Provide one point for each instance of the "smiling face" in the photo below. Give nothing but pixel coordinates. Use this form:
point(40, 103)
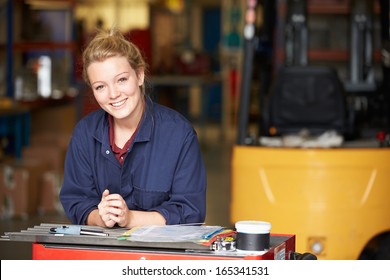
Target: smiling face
point(116, 87)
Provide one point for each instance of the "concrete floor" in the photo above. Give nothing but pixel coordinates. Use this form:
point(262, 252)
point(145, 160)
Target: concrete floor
point(217, 154)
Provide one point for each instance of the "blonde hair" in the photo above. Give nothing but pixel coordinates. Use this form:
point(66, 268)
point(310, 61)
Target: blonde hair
point(109, 43)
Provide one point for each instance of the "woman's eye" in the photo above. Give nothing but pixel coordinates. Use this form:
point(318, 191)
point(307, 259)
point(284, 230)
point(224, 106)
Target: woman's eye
point(99, 87)
point(122, 80)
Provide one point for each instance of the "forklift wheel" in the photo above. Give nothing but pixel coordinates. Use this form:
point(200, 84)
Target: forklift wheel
point(304, 256)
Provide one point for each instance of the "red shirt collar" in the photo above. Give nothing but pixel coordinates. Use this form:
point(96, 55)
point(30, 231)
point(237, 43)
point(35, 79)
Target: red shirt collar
point(120, 153)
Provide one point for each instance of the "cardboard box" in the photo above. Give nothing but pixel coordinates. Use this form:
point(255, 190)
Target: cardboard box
point(60, 139)
point(51, 154)
point(20, 181)
point(49, 193)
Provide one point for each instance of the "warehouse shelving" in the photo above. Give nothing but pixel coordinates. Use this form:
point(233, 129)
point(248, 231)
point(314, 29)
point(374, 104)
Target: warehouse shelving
point(15, 47)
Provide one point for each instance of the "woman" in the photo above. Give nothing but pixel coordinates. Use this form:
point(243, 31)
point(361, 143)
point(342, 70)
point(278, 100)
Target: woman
point(133, 162)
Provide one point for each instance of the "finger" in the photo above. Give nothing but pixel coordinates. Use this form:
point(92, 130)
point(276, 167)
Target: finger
point(105, 194)
point(116, 219)
point(102, 206)
point(115, 204)
point(116, 211)
point(114, 196)
point(110, 223)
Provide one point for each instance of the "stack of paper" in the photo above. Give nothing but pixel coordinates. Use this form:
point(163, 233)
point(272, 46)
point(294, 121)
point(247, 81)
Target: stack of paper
point(172, 233)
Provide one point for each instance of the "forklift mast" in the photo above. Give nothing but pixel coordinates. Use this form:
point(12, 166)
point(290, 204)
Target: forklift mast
point(296, 38)
point(250, 43)
point(361, 67)
point(360, 85)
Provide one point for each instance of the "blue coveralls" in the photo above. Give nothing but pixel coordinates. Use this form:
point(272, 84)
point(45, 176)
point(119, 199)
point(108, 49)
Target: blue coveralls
point(163, 170)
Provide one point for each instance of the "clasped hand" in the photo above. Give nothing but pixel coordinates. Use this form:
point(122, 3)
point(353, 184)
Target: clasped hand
point(113, 210)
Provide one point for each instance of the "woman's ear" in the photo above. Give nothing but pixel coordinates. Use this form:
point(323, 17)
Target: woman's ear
point(141, 76)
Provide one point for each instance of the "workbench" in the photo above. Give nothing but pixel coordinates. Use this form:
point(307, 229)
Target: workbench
point(47, 246)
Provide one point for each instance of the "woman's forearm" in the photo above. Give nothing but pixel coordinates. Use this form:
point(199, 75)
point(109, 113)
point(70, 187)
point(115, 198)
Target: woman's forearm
point(94, 219)
point(134, 218)
point(142, 218)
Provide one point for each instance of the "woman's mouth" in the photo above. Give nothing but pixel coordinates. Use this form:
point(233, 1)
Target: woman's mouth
point(118, 104)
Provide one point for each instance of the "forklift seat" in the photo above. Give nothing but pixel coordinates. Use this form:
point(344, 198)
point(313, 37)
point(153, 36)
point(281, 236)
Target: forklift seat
point(305, 97)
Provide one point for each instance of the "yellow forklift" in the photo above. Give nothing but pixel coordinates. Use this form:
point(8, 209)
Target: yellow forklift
point(318, 163)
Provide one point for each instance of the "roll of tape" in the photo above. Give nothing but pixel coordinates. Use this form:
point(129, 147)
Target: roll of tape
point(253, 235)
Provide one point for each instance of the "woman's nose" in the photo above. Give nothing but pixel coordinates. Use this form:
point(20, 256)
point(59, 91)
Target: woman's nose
point(114, 92)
